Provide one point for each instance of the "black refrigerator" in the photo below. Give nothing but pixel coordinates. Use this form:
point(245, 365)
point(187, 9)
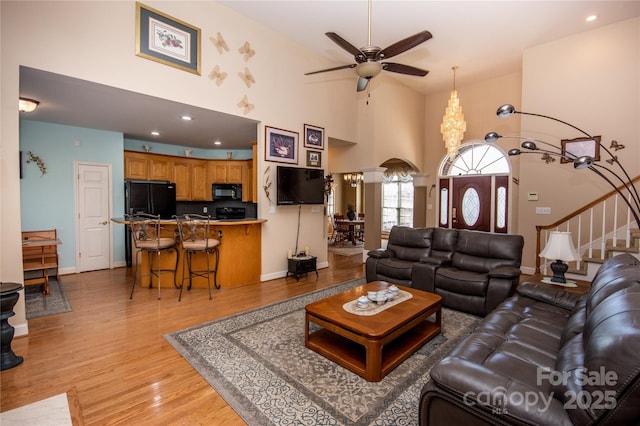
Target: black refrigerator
point(158, 198)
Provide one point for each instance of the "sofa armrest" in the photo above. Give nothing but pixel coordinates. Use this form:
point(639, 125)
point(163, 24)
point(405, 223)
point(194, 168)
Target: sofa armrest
point(435, 261)
point(380, 253)
point(485, 390)
point(554, 296)
point(423, 275)
point(508, 272)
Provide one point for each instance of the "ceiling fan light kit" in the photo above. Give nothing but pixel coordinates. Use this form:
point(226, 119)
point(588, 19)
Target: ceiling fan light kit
point(368, 69)
point(368, 59)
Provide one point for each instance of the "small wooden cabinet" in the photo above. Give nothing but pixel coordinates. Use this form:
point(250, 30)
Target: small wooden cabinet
point(301, 265)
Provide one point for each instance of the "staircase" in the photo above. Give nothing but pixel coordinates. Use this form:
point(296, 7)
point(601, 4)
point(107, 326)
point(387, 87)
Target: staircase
point(600, 230)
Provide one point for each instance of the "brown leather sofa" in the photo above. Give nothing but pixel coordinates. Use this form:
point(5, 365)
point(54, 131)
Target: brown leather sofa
point(472, 271)
point(547, 357)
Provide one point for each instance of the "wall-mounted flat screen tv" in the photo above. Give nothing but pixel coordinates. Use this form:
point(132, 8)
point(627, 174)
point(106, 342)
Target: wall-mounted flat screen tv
point(298, 185)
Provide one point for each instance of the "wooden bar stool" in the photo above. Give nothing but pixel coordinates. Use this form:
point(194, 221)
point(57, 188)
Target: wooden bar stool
point(195, 236)
point(147, 238)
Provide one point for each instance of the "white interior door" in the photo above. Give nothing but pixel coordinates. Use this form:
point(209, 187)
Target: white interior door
point(94, 210)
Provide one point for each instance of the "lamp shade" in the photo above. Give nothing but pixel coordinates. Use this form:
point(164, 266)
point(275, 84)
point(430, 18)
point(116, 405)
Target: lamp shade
point(560, 247)
point(368, 69)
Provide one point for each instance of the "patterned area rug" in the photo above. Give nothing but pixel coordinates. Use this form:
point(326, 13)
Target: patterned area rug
point(258, 363)
point(38, 305)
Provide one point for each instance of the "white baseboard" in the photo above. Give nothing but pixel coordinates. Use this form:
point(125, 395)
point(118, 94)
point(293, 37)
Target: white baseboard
point(282, 274)
point(527, 270)
point(21, 329)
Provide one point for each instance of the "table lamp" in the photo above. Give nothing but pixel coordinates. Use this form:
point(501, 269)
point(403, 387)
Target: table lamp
point(560, 247)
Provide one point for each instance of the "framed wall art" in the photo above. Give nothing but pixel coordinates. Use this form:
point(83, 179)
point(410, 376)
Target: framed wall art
point(314, 159)
point(313, 136)
point(281, 145)
point(578, 147)
point(167, 40)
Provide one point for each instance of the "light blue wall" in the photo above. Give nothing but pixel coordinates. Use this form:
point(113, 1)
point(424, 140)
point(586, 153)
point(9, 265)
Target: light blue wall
point(47, 201)
point(208, 154)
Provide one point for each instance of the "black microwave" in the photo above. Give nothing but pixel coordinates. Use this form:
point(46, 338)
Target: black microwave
point(226, 191)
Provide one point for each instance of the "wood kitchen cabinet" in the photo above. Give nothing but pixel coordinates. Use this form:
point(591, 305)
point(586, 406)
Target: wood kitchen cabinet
point(190, 177)
point(253, 172)
point(193, 177)
point(160, 168)
point(226, 171)
point(139, 166)
point(136, 166)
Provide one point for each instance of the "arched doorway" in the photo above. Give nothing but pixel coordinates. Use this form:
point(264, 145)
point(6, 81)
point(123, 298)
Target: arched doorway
point(473, 189)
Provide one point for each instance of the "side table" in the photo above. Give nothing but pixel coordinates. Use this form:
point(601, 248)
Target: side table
point(575, 286)
point(8, 297)
point(301, 265)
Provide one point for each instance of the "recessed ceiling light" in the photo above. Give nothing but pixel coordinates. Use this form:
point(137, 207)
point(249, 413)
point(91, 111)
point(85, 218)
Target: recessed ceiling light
point(591, 18)
point(186, 118)
point(217, 143)
point(155, 133)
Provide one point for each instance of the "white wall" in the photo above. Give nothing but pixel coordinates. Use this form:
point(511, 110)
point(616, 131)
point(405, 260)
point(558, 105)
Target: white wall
point(390, 125)
point(590, 80)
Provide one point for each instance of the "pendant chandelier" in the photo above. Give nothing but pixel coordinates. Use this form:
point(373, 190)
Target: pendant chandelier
point(453, 125)
point(353, 179)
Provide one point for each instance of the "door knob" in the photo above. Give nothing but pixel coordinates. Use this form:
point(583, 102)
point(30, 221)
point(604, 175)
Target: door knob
point(104, 222)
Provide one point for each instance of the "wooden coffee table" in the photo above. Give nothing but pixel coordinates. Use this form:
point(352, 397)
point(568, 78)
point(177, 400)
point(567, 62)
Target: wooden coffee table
point(372, 346)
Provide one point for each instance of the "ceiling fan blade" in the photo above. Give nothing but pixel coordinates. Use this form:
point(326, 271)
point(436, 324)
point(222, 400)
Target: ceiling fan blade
point(404, 45)
point(404, 69)
point(362, 83)
point(345, 45)
point(332, 69)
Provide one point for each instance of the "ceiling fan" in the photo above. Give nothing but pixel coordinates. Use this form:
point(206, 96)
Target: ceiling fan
point(369, 58)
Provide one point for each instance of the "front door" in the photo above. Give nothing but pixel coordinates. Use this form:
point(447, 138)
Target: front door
point(471, 203)
point(93, 216)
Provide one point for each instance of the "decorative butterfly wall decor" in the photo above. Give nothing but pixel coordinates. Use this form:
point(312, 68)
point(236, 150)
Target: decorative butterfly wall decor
point(616, 146)
point(247, 51)
point(217, 75)
point(245, 105)
point(219, 43)
point(246, 77)
point(547, 158)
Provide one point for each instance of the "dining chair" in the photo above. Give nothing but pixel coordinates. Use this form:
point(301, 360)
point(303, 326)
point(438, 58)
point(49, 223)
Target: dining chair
point(195, 236)
point(147, 238)
point(360, 233)
point(341, 229)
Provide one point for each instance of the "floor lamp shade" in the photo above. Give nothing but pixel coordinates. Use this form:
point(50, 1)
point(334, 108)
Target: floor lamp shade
point(560, 248)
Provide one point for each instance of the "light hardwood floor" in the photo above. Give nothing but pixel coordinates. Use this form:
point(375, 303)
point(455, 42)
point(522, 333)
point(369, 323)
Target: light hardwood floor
point(112, 350)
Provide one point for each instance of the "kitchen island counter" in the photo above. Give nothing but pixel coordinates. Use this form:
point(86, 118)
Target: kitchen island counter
point(240, 253)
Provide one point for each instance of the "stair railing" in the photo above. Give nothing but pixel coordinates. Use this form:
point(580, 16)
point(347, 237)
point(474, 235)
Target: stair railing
point(606, 217)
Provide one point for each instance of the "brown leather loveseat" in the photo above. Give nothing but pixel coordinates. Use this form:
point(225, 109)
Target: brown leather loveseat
point(472, 271)
point(547, 357)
